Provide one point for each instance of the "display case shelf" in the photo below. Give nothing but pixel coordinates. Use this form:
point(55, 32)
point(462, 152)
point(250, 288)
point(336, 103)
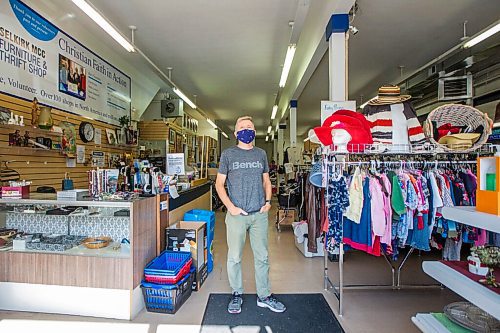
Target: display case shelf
point(105, 252)
point(470, 216)
point(55, 202)
point(110, 275)
point(472, 291)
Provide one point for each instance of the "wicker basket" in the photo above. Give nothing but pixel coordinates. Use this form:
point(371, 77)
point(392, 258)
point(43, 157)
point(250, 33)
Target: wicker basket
point(458, 115)
point(97, 243)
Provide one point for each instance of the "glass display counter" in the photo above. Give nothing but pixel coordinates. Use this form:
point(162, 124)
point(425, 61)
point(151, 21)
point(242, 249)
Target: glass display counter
point(74, 253)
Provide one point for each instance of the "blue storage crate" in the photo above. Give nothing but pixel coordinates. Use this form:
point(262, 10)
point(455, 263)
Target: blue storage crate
point(207, 216)
point(167, 263)
point(167, 298)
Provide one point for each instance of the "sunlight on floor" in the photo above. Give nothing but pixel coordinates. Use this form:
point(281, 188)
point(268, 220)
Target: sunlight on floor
point(228, 329)
point(49, 326)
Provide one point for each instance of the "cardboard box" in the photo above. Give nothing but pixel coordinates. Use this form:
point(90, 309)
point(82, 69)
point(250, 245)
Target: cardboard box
point(201, 276)
point(286, 216)
point(181, 234)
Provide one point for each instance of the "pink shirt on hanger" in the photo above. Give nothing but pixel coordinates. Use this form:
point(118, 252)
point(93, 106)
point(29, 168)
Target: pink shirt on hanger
point(386, 238)
point(377, 207)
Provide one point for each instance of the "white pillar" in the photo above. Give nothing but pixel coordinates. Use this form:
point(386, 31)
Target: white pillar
point(337, 51)
point(281, 141)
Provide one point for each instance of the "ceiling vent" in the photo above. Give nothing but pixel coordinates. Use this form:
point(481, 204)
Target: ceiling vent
point(455, 88)
point(172, 108)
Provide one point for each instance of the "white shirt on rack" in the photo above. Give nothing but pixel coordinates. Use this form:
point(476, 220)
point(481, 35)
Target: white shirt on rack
point(399, 127)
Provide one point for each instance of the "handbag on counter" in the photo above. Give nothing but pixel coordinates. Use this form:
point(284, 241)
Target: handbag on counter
point(67, 183)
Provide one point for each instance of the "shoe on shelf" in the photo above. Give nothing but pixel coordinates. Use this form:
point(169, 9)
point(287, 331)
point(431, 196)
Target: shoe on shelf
point(235, 303)
point(271, 303)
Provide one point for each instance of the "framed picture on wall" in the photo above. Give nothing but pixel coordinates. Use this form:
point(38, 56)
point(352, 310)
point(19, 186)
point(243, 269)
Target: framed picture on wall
point(178, 143)
point(171, 137)
point(111, 135)
point(120, 136)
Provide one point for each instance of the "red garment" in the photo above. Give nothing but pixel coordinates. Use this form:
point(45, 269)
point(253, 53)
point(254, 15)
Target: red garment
point(354, 123)
point(373, 250)
point(447, 129)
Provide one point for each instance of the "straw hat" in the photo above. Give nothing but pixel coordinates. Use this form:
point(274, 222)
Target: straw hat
point(460, 140)
point(389, 94)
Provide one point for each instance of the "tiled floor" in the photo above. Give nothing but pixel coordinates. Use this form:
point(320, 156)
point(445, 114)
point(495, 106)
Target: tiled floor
point(364, 310)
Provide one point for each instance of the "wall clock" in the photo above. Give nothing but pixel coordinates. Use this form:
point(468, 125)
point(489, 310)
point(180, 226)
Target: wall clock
point(86, 131)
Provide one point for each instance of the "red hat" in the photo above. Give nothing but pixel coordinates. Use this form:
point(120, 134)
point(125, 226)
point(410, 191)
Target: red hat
point(354, 123)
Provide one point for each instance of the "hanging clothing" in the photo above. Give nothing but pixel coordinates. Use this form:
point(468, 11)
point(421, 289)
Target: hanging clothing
point(397, 200)
point(312, 209)
point(387, 238)
point(338, 201)
point(377, 207)
point(353, 213)
point(359, 236)
point(420, 237)
point(452, 249)
point(445, 191)
point(383, 123)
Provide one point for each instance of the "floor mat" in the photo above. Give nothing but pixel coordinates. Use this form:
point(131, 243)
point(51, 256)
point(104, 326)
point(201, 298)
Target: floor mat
point(305, 313)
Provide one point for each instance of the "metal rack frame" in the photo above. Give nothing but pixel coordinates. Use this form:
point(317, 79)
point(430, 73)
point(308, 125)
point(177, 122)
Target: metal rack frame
point(396, 284)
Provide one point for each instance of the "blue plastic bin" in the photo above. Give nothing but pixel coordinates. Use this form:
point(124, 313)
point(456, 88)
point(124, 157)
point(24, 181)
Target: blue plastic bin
point(167, 263)
point(167, 298)
point(207, 216)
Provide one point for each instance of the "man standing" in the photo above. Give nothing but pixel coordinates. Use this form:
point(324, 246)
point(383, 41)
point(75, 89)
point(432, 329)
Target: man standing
point(248, 201)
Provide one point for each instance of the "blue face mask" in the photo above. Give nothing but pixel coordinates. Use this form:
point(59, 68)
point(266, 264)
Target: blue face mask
point(246, 135)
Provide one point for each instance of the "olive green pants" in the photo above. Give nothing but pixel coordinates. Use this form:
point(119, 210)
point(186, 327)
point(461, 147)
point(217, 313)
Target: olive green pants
point(237, 226)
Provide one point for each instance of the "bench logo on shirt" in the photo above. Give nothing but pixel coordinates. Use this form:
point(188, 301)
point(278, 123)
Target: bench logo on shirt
point(247, 165)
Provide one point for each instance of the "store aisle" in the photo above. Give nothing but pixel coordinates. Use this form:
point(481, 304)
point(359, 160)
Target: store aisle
point(365, 311)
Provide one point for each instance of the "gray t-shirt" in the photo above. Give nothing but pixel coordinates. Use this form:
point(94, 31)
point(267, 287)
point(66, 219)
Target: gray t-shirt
point(244, 170)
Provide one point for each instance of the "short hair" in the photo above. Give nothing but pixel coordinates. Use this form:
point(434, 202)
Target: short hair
point(241, 119)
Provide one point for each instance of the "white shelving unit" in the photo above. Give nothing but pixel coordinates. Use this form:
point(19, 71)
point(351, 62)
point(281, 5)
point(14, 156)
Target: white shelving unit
point(470, 216)
point(428, 324)
point(472, 291)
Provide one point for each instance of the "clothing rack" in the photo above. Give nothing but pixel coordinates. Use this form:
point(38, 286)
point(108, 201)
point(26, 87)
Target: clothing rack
point(406, 149)
point(338, 291)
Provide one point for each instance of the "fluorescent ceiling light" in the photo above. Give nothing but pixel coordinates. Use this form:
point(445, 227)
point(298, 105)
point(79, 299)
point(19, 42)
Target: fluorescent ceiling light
point(184, 97)
point(267, 138)
point(103, 23)
point(306, 139)
point(225, 135)
point(269, 129)
point(272, 136)
point(211, 123)
point(277, 127)
point(275, 109)
point(482, 36)
point(290, 52)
